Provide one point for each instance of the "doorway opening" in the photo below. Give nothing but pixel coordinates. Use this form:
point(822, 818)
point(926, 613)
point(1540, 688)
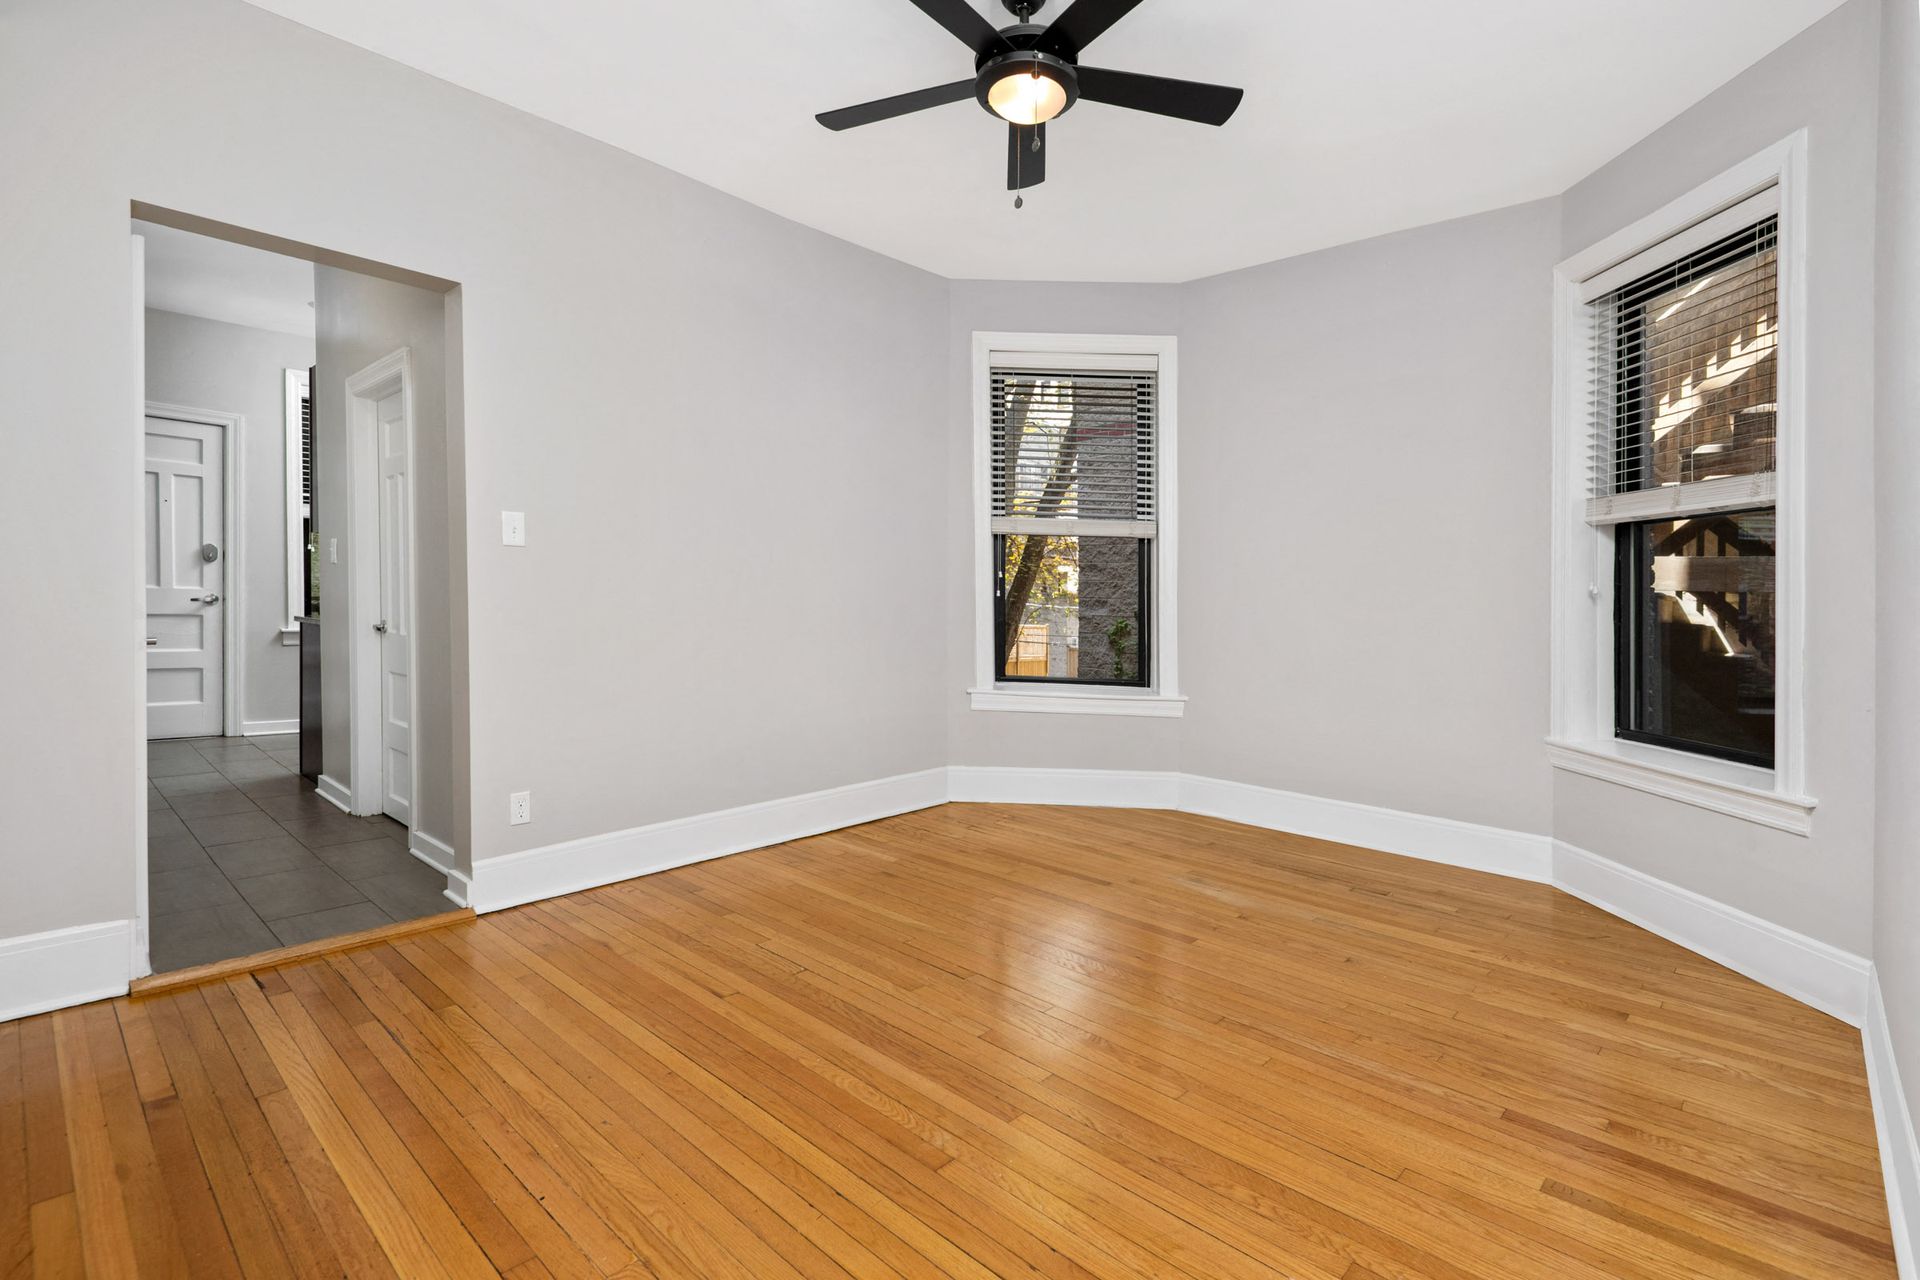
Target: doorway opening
point(301, 776)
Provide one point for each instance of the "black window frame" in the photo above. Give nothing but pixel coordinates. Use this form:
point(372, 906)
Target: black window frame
point(1144, 621)
point(1633, 597)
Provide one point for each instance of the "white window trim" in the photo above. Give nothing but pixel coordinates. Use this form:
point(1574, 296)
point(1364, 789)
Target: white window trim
point(1582, 738)
point(296, 384)
point(1163, 697)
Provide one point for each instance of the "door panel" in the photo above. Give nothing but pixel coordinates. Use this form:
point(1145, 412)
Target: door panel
point(186, 605)
point(396, 595)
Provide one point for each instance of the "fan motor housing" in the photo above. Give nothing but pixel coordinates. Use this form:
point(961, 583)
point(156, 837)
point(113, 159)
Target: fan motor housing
point(1025, 61)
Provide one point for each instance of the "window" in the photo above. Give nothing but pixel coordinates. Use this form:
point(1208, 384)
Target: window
point(1678, 558)
point(1686, 398)
point(1074, 589)
point(301, 579)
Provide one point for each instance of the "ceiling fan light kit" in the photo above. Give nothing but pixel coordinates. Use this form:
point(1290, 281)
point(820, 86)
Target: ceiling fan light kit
point(1027, 74)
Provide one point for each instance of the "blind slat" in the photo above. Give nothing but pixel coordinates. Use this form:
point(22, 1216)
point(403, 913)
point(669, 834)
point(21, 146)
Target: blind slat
point(1073, 445)
point(1684, 372)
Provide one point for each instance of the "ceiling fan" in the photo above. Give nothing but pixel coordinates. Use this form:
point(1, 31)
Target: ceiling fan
point(1027, 74)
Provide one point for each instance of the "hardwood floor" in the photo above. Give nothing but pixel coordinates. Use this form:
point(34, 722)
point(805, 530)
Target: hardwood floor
point(974, 1041)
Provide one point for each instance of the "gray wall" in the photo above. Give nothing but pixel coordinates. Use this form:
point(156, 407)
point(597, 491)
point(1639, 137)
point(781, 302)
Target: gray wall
point(1315, 562)
point(1820, 885)
point(1364, 459)
point(229, 368)
point(657, 374)
point(360, 319)
point(1018, 738)
point(1896, 928)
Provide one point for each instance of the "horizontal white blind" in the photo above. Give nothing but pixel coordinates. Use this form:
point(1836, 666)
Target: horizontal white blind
point(1684, 375)
point(1073, 449)
point(306, 448)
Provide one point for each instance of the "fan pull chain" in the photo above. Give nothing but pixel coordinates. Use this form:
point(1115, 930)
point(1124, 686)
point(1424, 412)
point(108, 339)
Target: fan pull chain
point(1019, 201)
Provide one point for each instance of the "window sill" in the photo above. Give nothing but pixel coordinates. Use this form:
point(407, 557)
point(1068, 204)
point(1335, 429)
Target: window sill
point(1737, 790)
point(1083, 702)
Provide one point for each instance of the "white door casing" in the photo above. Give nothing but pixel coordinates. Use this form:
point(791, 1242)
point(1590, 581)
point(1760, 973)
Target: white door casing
point(186, 606)
point(396, 608)
point(380, 593)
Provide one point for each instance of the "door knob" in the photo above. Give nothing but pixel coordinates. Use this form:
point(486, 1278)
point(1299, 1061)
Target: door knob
point(381, 626)
point(207, 599)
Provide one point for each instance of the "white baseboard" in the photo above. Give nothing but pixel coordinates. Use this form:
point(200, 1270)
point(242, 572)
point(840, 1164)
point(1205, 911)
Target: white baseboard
point(1519, 854)
point(1092, 788)
point(62, 967)
point(260, 728)
point(1811, 971)
point(572, 865)
point(433, 851)
point(1461, 844)
point(335, 793)
point(1893, 1121)
point(439, 855)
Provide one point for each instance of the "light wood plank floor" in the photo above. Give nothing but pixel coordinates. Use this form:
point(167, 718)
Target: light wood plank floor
point(975, 1041)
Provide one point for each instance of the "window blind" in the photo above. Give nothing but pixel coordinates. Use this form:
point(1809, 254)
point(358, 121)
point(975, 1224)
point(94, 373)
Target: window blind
point(306, 450)
point(1684, 386)
point(1073, 451)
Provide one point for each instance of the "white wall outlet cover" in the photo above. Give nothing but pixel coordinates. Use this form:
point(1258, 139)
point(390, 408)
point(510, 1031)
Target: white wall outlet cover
point(333, 551)
point(513, 528)
point(519, 808)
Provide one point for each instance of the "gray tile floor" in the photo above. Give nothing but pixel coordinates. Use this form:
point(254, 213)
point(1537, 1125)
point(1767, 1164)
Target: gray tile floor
point(244, 856)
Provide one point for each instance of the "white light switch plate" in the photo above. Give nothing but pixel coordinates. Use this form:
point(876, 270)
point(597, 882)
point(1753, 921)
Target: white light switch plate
point(513, 528)
point(333, 551)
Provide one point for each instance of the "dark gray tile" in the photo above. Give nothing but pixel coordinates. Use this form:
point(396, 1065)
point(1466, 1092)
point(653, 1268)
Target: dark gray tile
point(165, 825)
point(213, 804)
point(334, 828)
point(226, 828)
point(364, 859)
point(236, 753)
point(416, 891)
point(299, 807)
point(330, 923)
point(387, 827)
point(246, 858)
point(260, 769)
point(176, 853)
point(296, 893)
point(206, 934)
point(191, 784)
point(188, 889)
point(285, 784)
point(155, 801)
point(286, 759)
point(172, 760)
point(276, 741)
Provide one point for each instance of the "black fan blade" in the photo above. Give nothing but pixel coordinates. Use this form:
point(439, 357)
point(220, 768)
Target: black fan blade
point(1082, 24)
point(965, 22)
point(899, 104)
point(1185, 99)
point(1026, 167)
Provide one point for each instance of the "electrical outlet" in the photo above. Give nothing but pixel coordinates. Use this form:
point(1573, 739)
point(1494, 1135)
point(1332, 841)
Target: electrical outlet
point(520, 808)
point(333, 551)
point(513, 528)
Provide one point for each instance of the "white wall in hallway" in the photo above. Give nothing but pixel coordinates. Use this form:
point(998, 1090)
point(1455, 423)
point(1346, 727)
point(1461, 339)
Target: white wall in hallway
point(724, 428)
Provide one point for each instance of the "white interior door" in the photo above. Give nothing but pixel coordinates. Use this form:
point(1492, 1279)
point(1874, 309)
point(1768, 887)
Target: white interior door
point(396, 615)
point(186, 606)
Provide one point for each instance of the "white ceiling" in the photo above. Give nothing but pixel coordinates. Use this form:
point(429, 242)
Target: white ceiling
point(200, 276)
point(1359, 119)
